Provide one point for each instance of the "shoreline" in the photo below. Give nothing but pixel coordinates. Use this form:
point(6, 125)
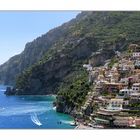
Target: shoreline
point(81, 126)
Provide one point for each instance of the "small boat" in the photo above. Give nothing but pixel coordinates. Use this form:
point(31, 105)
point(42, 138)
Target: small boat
point(54, 108)
point(73, 124)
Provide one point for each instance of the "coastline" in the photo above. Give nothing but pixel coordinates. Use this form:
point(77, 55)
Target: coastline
point(81, 126)
point(21, 111)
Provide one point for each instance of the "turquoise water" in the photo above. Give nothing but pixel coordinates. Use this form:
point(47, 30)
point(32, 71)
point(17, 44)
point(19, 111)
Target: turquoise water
point(31, 112)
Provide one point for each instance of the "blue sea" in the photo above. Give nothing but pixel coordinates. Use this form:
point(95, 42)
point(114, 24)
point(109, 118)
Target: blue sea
point(31, 112)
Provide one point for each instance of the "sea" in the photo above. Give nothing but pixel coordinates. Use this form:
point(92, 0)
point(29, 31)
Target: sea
point(31, 112)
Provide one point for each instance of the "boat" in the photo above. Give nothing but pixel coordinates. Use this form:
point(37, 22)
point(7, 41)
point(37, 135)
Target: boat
point(73, 124)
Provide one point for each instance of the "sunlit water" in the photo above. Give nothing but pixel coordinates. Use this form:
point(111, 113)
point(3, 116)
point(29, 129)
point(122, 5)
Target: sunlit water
point(31, 112)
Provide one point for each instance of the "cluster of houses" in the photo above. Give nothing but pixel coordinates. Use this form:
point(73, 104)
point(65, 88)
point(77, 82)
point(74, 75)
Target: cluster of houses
point(116, 90)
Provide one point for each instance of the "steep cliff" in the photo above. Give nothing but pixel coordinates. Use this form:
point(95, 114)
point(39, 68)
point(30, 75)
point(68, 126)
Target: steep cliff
point(32, 53)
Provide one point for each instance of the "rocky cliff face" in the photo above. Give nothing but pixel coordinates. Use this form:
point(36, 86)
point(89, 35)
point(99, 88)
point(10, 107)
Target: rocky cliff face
point(45, 77)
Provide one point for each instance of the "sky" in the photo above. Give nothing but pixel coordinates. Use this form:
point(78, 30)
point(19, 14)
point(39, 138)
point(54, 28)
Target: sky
point(18, 28)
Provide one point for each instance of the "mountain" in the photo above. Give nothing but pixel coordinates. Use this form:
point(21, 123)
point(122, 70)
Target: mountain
point(104, 27)
point(32, 53)
point(52, 64)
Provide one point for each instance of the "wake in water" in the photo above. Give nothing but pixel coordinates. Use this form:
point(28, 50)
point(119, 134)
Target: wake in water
point(35, 119)
point(3, 90)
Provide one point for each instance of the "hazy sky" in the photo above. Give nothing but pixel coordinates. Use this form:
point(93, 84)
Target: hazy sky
point(18, 28)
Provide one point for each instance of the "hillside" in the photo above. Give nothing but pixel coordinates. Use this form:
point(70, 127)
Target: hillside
point(52, 63)
point(107, 28)
point(32, 53)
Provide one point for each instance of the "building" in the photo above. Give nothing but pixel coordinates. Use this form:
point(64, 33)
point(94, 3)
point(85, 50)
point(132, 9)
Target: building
point(136, 87)
point(135, 95)
point(124, 80)
point(115, 104)
point(136, 71)
point(135, 78)
point(99, 86)
point(113, 75)
point(105, 117)
point(136, 54)
point(137, 122)
point(124, 93)
point(134, 47)
point(137, 64)
point(113, 87)
point(134, 98)
point(126, 66)
point(125, 122)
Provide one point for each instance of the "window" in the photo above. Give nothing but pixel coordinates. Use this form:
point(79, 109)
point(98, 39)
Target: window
point(133, 88)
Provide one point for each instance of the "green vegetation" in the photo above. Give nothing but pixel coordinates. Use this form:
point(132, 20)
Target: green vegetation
point(134, 105)
point(22, 80)
point(134, 112)
point(105, 94)
point(74, 89)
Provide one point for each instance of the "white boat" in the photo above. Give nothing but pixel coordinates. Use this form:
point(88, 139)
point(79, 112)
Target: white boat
point(73, 124)
point(54, 108)
point(35, 119)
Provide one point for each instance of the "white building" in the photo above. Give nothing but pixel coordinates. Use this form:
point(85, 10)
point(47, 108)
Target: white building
point(124, 93)
point(134, 98)
point(136, 87)
point(115, 104)
point(137, 64)
point(135, 95)
point(136, 54)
